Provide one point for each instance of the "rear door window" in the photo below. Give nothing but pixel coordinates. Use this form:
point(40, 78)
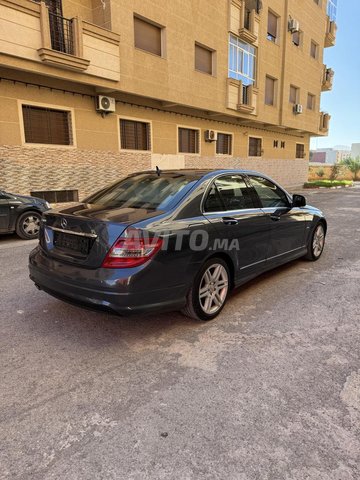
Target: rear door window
point(229, 192)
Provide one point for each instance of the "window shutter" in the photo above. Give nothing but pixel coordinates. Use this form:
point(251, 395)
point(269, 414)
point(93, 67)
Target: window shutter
point(254, 147)
point(223, 144)
point(46, 125)
point(147, 36)
point(135, 135)
point(203, 59)
point(188, 140)
point(269, 91)
point(272, 25)
point(293, 94)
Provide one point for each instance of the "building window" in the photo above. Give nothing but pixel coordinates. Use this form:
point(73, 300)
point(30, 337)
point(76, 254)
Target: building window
point(294, 94)
point(296, 38)
point(272, 29)
point(282, 145)
point(270, 91)
point(314, 49)
point(148, 36)
point(311, 101)
point(276, 144)
point(188, 140)
point(57, 196)
point(203, 59)
point(255, 147)
point(224, 144)
point(300, 150)
point(134, 135)
point(47, 125)
point(332, 9)
point(242, 58)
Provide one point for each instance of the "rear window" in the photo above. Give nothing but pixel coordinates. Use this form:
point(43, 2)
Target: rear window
point(148, 191)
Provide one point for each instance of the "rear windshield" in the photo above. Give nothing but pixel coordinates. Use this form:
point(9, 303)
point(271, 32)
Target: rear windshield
point(148, 191)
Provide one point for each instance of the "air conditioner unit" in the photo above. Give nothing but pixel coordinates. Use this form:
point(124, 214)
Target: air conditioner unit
point(298, 108)
point(294, 25)
point(210, 135)
point(105, 104)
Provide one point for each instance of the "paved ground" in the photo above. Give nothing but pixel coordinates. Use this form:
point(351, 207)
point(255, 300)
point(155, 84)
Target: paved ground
point(269, 391)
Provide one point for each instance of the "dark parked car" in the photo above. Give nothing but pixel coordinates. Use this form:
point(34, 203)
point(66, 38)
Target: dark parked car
point(173, 240)
point(21, 214)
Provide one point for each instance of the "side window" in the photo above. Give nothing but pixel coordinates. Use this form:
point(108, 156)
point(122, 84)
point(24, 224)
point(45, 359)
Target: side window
point(270, 194)
point(229, 192)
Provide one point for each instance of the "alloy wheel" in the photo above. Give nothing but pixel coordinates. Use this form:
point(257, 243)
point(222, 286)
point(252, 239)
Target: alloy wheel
point(31, 225)
point(213, 288)
point(318, 241)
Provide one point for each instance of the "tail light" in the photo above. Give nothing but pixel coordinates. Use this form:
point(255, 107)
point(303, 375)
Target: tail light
point(132, 249)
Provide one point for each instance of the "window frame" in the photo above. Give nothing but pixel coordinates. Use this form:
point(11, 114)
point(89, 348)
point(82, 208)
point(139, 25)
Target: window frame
point(261, 150)
point(213, 59)
point(274, 80)
point(313, 99)
point(297, 45)
point(272, 39)
point(61, 108)
point(287, 196)
point(253, 195)
point(232, 145)
point(188, 127)
point(296, 151)
point(162, 36)
point(245, 78)
point(134, 119)
point(316, 57)
point(297, 94)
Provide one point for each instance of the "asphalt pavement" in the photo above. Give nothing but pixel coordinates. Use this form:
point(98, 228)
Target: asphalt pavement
point(270, 390)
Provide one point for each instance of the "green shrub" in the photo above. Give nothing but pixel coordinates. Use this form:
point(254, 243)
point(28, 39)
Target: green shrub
point(352, 164)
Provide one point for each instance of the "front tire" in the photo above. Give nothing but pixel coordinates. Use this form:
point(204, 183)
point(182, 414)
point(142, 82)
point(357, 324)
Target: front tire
point(208, 294)
point(28, 225)
point(316, 243)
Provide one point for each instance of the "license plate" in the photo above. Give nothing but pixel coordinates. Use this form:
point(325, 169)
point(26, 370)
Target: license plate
point(75, 243)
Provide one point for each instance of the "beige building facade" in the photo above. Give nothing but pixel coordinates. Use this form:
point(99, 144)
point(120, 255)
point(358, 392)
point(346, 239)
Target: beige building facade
point(92, 90)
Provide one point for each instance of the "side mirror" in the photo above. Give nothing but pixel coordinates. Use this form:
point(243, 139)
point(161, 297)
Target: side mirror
point(298, 201)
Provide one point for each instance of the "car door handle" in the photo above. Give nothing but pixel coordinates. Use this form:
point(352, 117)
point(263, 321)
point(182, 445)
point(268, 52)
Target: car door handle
point(229, 221)
point(275, 218)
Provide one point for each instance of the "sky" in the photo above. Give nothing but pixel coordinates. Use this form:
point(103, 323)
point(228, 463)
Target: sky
point(343, 101)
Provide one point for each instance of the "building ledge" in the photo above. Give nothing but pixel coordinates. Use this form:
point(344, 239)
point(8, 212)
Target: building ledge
point(247, 36)
point(63, 60)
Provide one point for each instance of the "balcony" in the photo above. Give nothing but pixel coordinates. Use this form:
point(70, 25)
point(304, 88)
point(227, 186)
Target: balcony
point(330, 37)
point(29, 32)
point(328, 78)
point(242, 98)
point(324, 123)
point(244, 21)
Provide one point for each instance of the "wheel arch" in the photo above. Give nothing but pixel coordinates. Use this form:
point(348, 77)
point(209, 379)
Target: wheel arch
point(229, 262)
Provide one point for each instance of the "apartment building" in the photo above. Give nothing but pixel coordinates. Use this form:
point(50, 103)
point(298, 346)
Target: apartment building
point(92, 90)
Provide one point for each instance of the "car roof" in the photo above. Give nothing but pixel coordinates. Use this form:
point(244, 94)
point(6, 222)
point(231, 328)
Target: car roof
point(199, 173)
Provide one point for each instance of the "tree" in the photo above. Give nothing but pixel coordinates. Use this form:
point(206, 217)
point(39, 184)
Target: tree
point(352, 164)
point(335, 171)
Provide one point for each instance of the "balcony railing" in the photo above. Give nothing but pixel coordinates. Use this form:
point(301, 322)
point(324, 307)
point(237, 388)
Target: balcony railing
point(328, 77)
point(62, 34)
point(324, 123)
point(330, 37)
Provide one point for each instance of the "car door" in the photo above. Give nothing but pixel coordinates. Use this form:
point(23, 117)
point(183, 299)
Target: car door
point(241, 225)
point(287, 224)
point(4, 213)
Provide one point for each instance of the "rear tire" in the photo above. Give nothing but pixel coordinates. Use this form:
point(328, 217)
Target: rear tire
point(28, 225)
point(208, 294)
point(316, 243)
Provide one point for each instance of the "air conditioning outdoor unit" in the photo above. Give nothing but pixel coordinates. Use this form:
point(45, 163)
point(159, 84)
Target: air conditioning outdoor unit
point(298, 108)
point(210, 135)
point(105, 104)
point(294, 25)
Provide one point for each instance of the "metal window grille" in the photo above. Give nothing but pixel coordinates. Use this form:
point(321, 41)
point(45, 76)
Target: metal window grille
point(300, 150)
point(61, 32)
point(254, 147)
point(135, 135)
point(223, 144)
point(188, 140)
point(47, 125)
point(57, 196)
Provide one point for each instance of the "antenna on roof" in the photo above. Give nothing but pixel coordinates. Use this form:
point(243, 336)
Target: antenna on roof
point(158, 171)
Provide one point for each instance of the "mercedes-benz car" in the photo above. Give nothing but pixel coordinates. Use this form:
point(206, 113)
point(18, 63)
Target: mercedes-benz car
point(21, 214)
point(173, 240)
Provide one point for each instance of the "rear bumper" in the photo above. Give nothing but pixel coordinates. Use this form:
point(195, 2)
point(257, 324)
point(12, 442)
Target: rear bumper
point(119, 291)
